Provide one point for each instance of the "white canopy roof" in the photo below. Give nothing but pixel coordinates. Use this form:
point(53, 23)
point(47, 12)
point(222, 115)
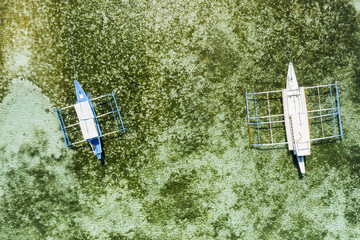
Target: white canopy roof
point(86, 119)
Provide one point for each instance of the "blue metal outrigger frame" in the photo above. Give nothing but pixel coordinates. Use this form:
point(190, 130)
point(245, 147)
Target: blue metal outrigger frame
point(62, 126)
point(257, 121)
point(334, 111)
point(114, 110)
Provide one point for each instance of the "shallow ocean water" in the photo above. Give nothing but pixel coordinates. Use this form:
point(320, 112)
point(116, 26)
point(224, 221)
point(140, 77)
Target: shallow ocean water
point(179, 71)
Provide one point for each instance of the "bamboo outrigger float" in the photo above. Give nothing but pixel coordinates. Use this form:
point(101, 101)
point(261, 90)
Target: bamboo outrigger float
point(296, 117)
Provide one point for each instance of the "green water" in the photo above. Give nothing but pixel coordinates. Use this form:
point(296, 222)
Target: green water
point(179, 70)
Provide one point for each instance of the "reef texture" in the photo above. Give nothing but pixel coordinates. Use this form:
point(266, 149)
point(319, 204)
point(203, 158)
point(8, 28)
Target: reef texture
point(179, 70)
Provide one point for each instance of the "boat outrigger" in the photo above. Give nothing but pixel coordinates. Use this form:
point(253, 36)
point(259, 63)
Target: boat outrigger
point(297, 116)
point(86, 115)
point(88, 120)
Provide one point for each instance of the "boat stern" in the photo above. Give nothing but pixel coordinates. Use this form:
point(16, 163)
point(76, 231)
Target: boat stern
point(301, 162)
point(96, 147)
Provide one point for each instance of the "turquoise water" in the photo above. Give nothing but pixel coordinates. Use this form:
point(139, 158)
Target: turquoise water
point(179, 71)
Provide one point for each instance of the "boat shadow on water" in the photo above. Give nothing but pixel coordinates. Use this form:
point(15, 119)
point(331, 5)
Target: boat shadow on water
point(104, 165)
point(101, 162)
point(295, 160)
point(293, 156)
point(296, 163)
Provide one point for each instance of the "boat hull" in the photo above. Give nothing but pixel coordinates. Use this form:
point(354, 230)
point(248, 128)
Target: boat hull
point(95, 144)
